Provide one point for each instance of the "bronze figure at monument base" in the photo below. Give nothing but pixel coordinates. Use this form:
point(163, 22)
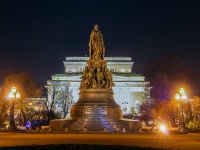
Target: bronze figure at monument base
point(96, 109)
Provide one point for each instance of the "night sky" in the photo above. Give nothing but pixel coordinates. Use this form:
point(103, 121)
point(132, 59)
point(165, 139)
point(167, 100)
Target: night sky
point(37, 35)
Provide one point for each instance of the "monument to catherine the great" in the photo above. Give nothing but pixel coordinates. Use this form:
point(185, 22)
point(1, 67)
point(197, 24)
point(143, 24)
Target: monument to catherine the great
point(96, 109)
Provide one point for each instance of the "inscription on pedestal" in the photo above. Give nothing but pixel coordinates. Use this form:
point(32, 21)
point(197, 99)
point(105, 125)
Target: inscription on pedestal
point(95, 112)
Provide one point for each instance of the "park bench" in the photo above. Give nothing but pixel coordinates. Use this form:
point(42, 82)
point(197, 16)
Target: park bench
point(22, 128)
point(45, 128)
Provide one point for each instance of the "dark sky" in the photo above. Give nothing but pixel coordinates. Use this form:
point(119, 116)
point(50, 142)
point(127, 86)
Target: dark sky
point(37, 35)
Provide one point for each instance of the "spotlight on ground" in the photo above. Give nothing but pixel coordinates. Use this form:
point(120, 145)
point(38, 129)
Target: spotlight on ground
point(163, 128)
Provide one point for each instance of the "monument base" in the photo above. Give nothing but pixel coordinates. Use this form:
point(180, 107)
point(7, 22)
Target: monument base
point(95, 126)
point(95, 112)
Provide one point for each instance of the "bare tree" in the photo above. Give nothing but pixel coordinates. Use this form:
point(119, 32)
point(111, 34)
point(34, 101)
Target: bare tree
point(161, 87)
point(145, 112)
point(192, 111)
point(168, 74)
point(59, 100)
point(53, 90)
point(3, 108)
point(67, 100)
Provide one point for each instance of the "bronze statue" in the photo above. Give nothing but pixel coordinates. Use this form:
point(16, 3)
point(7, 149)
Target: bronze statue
point(96, 44)
point(99, 77)
point(108, 75)
point(96, 74)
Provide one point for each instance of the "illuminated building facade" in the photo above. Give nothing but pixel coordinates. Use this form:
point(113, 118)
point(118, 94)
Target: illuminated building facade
point(130, 88)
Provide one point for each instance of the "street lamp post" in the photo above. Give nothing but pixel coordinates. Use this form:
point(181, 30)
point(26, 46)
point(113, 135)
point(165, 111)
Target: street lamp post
point(181, 96)
point(13, 95)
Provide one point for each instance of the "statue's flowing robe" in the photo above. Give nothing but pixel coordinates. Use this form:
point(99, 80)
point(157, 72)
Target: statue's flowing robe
point(96, 45)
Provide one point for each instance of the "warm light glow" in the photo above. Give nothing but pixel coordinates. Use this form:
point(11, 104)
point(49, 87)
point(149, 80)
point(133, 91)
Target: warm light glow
point(163, 128)
point(178, 96)
point(183, 96)
point(13, 89)
point(11, 95)
point(17, 95)
point(182, 91)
